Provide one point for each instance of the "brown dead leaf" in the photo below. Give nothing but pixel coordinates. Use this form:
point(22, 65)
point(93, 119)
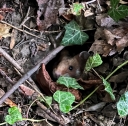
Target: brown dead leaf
point(122, 41)
point(26, 90)
point(48, 13)
point(101, 47)
point(110, 41)
point(86, 84)
point(49, 87)
point(109, 37)
point(7, 101)
point(4, 31)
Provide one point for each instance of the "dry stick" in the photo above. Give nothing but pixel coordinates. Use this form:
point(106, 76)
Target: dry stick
point(19, 68)
point(10, 59)
point(21, 30)
point(10, 81)
point(6, 77)
point(59, 120)
point(29, 73)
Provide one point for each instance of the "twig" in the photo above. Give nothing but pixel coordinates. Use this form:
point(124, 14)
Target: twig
point(26, 17)
point(6, 77)
point(29, 73)
point(55, 117)
point(21, 30)
point(10, 59)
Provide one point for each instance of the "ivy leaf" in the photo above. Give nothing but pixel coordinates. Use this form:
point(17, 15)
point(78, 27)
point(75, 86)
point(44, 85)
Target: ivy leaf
point(76, 8)
point(73, 35)
point(93, 61)
point(122, 105)
point(114, 3)
point(116, 12)
point(108, 88)
point(119, 13)
point(48, 100)
point(69, 82)
point(14, 115)
point(65, 100)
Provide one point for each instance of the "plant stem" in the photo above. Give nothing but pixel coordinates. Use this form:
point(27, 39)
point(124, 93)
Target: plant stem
point(81, 102)
point(116, 70)
point(3, 123)
point(34, 120)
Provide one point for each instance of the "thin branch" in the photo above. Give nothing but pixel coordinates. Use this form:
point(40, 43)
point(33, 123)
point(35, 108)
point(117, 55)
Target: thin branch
point(55, 117)
point(29, 73)
point(11, 60)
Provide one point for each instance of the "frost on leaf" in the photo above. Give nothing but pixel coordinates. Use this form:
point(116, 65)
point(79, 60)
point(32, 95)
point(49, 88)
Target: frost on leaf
point(73, 35)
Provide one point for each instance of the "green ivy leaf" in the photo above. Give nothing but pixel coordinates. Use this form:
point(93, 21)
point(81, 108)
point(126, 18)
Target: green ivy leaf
point(73, 35)
point(119, 13)
point(14, 115)
point(48, 100)
point(114, 3)
point(69, 82)
point(65, 100)
point(108, 88)
point(93, 61)
point(76, 8)
point(122, 105)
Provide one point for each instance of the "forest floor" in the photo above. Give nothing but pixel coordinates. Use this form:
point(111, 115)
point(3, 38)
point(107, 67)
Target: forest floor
point(32, 35)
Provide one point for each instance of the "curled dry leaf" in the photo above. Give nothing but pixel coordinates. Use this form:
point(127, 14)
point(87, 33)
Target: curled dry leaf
point(4, 31)
point(49, 86)
point(48, 13)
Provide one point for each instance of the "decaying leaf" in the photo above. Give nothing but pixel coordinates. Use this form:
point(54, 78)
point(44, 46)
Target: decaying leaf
point(4, 31)
point(109, 41)
point(26, 90)
point(47, 13)
point(101, 47)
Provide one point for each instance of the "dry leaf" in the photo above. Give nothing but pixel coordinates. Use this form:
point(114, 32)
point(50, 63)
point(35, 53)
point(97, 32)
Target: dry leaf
point(4, 30)
point(7, 101)
point(26, 90)
point(48, 13)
